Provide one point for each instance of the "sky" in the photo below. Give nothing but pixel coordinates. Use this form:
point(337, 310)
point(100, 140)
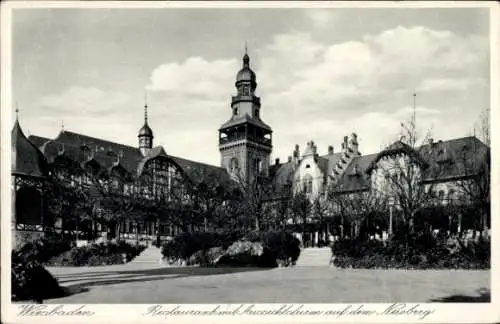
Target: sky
point(321, 73)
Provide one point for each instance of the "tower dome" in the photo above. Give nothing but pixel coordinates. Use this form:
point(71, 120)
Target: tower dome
point(145, 134)
point(246, 73)
point(145, 131)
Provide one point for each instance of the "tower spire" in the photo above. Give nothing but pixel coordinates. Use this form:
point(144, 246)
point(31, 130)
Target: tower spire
point(246, 58)
point(414, 107)
point(145, 107)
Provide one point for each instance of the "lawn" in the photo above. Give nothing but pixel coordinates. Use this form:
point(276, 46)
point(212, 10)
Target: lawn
point(150, 283)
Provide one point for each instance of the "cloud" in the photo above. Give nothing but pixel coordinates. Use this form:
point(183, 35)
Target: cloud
point(83, 101)
point(361, 85)
point(310, 89)
point(194, 77)
point(449, 84)
point(321, 18)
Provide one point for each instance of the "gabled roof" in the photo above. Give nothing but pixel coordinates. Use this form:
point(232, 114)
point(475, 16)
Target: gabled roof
point(356, 181)
point(26, 157)
point(233, 121)
point(328, 161)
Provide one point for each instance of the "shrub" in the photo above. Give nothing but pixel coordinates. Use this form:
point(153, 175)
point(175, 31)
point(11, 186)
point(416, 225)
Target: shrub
point(98, 254)
point(44, 248)
point(415, 252)
point(281, 245)
point(247, 254)
point(186, 244)
point(30, 280)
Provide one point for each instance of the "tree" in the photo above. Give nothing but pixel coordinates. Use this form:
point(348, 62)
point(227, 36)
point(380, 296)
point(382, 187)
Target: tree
point(255, 192)
point(208, 191)
point(475, 185)
point(320, 208)
point(363, 209)
point(399, 173)
point(68, 198)
point(300, 209)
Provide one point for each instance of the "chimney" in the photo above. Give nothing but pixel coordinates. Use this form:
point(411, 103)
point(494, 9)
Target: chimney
point(330, 149)
point(344, 144)
point(296, 153)
point(277, 161)
point(354, 143)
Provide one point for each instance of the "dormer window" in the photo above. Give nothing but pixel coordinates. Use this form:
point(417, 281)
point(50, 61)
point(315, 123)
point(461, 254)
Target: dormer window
point(235, 111)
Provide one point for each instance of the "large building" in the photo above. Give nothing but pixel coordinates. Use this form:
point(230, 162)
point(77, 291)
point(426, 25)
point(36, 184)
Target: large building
point(245, 145)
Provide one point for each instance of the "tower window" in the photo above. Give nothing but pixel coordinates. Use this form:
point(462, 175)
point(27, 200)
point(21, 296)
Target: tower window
point(235, 111)
point(233, 165)
point(246, 91)
point(257, 113)
point(258, 165)
point(308, 184)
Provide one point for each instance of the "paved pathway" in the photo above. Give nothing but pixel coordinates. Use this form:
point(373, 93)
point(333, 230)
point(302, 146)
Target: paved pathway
point(151, 254)
point(314, 257)
point(153, 283)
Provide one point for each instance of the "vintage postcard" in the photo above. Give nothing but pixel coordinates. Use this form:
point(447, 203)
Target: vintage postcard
point(253, 162)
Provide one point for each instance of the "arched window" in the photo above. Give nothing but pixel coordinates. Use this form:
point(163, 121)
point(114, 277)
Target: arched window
point(233, 165)
point(308, 183)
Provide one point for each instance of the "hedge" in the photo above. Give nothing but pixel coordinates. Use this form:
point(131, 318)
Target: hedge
point(415, 252)
point(97, 254)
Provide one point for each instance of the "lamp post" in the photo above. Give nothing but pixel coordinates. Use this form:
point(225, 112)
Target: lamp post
point(391, 207)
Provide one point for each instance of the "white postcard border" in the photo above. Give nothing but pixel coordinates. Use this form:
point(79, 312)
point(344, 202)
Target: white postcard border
point(119, 313)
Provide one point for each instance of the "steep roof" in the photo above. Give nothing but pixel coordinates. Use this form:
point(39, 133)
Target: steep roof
point(233, 121)
point(26, 157)
point(443, 160)
point(327, 162)
point(360, 180)
point(105, 153)
point(460, 157)
point(282, 177)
